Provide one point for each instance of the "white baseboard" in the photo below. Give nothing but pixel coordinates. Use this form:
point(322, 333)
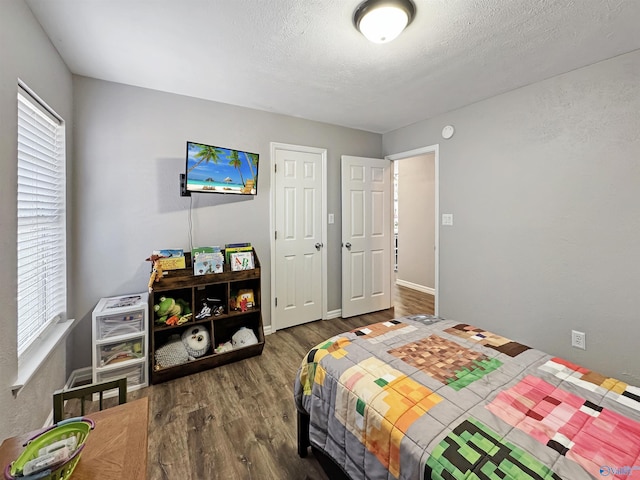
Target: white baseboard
point(415, 286)
point(267, 330)
point(334, 314)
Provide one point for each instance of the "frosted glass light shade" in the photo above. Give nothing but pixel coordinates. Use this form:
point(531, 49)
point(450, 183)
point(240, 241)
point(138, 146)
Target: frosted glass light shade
point(381, 21)
point(383, 24)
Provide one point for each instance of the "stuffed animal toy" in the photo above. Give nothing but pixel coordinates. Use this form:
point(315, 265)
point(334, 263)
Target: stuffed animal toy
point(172, 312)
point(224, 347)
point(156, 270)
point(171, 353)
point(245, 295)
point(243, 338)
point(193, 343)
point(196, 341)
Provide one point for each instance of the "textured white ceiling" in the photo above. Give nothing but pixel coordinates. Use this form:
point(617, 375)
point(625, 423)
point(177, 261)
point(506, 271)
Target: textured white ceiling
point(304, 57)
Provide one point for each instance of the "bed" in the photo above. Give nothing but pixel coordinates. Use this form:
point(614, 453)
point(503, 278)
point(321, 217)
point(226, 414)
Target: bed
point(421, 397)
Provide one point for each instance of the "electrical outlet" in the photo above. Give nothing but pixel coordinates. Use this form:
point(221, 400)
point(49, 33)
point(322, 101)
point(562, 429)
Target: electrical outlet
point(578, 339)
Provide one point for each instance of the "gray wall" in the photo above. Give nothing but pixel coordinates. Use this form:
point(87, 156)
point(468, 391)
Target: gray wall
point(416, 221)
point(25, 53)
point(544, 185)
point(130, 150)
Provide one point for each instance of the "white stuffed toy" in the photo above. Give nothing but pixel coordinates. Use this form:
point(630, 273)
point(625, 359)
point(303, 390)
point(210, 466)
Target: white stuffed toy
point(243, 338)
point(196, 341)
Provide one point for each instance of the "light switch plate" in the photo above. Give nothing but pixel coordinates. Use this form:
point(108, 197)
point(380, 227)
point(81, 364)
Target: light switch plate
point(447, 219)
point(331, 219)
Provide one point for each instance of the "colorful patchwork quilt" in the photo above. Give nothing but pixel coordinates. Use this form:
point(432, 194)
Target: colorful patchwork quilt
point(424, 398)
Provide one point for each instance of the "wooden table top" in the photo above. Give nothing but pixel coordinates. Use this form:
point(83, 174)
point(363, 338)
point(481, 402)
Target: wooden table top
point(115, 449)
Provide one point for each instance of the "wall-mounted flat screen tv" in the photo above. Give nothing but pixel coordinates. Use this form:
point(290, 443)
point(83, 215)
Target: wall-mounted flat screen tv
point(212, 169)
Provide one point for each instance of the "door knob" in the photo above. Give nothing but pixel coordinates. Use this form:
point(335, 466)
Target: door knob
point(318, 246)
point(348, 245)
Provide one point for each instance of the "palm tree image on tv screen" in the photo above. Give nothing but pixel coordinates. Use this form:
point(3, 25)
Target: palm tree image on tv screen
point(221, 170)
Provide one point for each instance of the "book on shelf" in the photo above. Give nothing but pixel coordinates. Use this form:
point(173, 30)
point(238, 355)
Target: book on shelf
point(171, 258)
point(198, 250)
point(236, 247)
point(233, 245)
point(205, 263)
point(241, 260)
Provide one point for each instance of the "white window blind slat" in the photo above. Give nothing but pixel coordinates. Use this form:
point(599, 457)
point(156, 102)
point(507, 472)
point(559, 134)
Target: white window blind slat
point(45, 189)
point(32, 168)
point(39, 154)
point(51, 210)
point(41, 211)
point(40, 139)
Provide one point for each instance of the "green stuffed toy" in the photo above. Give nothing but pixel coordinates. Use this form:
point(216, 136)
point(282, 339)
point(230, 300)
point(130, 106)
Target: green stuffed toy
point(172, 312)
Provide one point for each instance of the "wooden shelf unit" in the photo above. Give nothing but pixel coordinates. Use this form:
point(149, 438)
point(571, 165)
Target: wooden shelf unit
point(194, 289)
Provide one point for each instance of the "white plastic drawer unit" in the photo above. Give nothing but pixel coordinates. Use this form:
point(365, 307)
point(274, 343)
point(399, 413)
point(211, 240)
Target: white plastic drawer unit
point(108, 354)
point(118, 316)
point(120, 344)
point(122, 324)
point(136, 375)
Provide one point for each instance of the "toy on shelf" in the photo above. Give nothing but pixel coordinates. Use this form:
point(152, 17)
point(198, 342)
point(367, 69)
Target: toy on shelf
point(243, 338)
point(156, 270)
point(172, 312)
point(171, 353)
point(207, 311)
point(224, 347)
point(242, 301)
point(196, 341)
point(192, 344)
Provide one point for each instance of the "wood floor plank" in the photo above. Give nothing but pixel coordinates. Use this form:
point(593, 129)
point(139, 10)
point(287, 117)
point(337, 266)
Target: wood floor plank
point(238, 421)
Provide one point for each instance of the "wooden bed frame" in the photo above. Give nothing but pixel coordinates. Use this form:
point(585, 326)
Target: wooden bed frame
point(332, 469)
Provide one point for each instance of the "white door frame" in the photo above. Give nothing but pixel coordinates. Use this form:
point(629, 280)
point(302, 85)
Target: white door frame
point(414, 153)
point(272, 224)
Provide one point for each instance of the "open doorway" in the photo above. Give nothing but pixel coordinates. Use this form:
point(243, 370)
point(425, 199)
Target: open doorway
point(415, 235)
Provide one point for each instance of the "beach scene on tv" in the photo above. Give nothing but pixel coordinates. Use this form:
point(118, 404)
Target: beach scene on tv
point(224, 170)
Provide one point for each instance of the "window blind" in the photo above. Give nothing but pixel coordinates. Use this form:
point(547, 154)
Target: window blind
point(42, 284)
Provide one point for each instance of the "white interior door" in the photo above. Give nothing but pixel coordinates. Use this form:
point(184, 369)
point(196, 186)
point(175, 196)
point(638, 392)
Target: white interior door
point(298, 237)
point(366, 235)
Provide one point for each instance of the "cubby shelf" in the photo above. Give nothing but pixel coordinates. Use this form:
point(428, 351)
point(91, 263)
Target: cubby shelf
point(194, 288)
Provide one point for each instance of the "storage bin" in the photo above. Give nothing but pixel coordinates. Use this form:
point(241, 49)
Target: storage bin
point(122, 351)
point(136, 375)
point(126, 323)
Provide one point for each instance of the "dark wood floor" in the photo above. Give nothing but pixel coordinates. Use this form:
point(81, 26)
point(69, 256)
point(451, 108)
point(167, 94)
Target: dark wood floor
point(238, 421)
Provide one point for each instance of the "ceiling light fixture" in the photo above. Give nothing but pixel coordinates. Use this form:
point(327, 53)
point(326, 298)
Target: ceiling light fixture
point(383, 20)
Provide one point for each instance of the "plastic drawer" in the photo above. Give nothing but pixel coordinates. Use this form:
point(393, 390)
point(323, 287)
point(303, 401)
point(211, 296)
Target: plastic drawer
point(135, 375)
point(108, 354)
point(108, 326)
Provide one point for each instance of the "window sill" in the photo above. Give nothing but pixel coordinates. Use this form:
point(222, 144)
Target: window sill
point(39, 352)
